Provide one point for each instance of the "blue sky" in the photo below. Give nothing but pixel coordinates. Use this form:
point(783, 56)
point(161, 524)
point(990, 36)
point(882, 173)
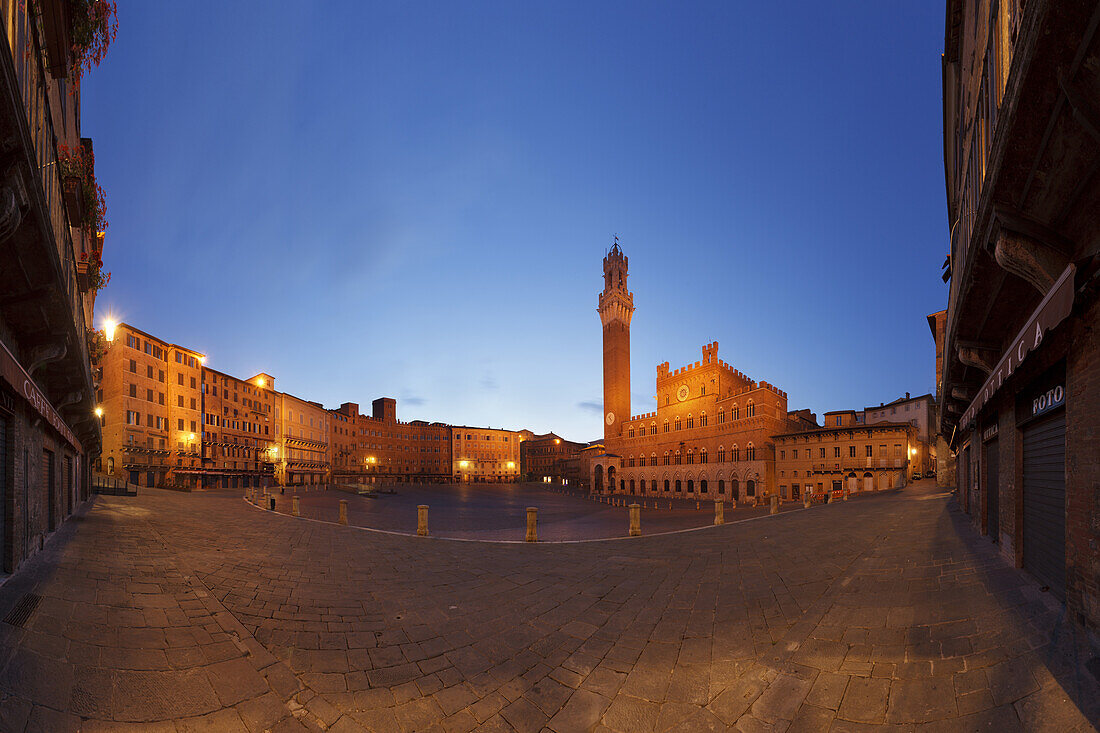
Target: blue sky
point(413, 199)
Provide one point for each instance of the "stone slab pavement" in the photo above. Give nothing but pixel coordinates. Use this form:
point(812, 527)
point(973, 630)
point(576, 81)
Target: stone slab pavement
point(499, 511)
point(181, 612)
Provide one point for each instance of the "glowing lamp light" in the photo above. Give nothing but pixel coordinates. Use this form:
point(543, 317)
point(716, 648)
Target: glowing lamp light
point(99, 411)
point(109, 325)
point(191, 436)
point(511, 464)
point(463, 464)
point(557, 440)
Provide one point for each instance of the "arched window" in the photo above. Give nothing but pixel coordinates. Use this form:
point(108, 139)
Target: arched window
point(735, 489)
point(735, 453)
point(666, 484)
point(641, 461)
point(631, 486)
point(703, 420)
point(641, 485)
point(721, 454)
point(630, 432)
point(678, 487)
point(630, 462)
point(653, 428)
point(653, 459)
point(678, 457)
point(691, 486)
point(750, 453)
point(691, 456)
point(750, 488)
point(721, 486)
point(677, 422)
point(702, 455)
point(702, 486)
point(721, 415)
point(750, 409)
point(666, 457)
point(691, 421)
point(735, 412)
point(666, 426)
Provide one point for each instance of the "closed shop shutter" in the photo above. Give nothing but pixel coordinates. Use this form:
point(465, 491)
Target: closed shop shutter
point(48, 489)
point(1045, 501)
point(4, 488)
point(992, 461)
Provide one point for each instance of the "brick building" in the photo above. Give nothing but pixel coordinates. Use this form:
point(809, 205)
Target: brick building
point(548, 458)
point(169, 420)
point(379, 448)
point(710, 436)
point(50, 271)
point(844, 454)
point(920, 412)
point(484, 455)
point(301, 435)
point(1021, 355)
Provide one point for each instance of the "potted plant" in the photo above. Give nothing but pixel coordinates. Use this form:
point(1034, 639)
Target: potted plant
point(94, 25)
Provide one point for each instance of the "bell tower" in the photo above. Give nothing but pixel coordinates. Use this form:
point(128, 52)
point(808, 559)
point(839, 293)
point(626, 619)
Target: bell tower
point(616, 306)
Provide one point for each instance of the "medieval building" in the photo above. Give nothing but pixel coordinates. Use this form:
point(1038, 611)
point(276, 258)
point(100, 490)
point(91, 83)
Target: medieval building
point(710, 436)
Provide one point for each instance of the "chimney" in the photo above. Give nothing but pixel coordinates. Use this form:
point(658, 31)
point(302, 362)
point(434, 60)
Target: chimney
point(906, 395)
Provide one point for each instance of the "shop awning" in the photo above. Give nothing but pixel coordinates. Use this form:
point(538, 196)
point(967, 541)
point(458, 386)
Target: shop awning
point(1053, 309)
point(14, 373)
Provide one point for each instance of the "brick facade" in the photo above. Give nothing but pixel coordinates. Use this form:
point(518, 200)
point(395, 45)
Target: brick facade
point(1019, 378)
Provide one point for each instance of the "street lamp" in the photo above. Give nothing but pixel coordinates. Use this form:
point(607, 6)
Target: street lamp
point(109, 325)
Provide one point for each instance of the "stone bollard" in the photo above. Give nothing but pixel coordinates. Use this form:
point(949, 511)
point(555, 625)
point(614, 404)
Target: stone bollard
point(696, 505)
point(422, 520)
point(271, 503)
point(719, 513)
point(635, 520)
point(343, 511)
point(296, 508)
point(775, 504)
point(532, 524)
point(807, 499)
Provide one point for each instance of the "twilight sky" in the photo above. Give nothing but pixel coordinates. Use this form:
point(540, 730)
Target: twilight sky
point(412, 199)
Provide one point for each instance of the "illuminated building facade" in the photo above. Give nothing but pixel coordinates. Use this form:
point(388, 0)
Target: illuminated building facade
point(379, 448)
point(169, 420)
point(548, 458)
point(485, 455)
point(710, 436)
point(844, 454)
point(301, 434)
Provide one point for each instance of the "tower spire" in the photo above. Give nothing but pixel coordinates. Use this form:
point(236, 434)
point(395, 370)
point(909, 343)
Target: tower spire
point(616, 307)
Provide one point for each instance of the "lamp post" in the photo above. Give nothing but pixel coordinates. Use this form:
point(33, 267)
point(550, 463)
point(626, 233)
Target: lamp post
point(202, 422)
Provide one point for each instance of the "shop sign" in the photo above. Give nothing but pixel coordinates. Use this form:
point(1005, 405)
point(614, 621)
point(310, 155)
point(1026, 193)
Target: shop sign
point(15, 375)
point(1053, 309)
point(990, 432)
point(1045, 402)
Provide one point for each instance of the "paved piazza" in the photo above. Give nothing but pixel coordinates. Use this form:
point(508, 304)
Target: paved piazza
point(201, 612)
point(499, 511)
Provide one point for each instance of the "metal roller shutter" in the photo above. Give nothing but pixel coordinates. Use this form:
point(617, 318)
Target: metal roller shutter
point(992, 465)
point(1045, 501)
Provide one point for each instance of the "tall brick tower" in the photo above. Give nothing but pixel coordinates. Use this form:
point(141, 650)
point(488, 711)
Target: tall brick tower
point(616, 307)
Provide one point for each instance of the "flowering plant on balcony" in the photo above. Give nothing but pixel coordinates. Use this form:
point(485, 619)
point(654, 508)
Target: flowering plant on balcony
point(78, 164)
point(95, 23)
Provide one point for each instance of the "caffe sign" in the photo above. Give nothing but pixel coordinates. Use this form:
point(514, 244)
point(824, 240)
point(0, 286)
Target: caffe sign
point(1053, 309)
point(14, 373)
